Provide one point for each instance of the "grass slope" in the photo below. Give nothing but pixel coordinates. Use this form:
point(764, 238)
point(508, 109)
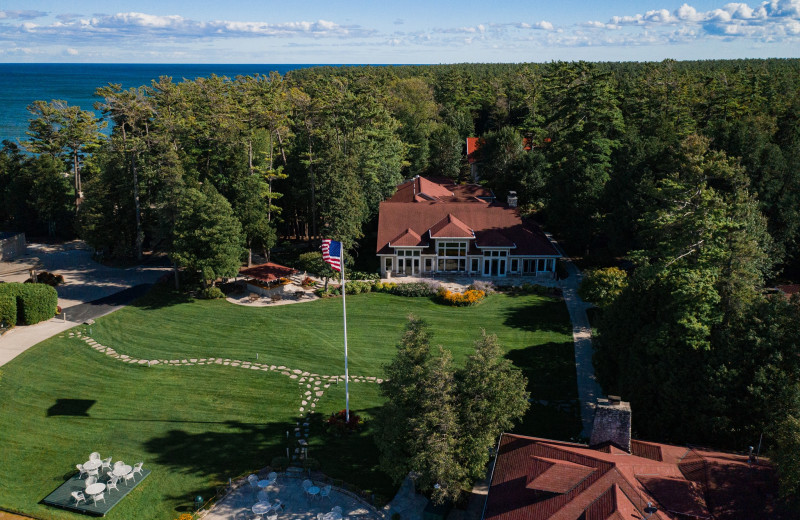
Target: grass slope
point(197, 426)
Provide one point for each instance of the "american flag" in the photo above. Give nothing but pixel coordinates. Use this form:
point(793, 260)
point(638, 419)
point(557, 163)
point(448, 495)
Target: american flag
point(332, 253)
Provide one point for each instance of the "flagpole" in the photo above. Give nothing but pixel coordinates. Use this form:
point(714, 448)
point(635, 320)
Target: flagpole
point(346, 375)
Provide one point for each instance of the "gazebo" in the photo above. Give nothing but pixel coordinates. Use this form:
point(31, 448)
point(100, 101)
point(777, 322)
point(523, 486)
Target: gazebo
point(263, 278)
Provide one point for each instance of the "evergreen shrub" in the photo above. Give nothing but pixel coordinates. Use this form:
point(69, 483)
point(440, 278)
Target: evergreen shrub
point(212, 293)
point(36, 302)
point(8, 312)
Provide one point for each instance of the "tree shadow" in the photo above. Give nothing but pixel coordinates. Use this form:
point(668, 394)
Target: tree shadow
point(539, 316)
point(71, 407)
point(219, 455)
point(161, 296)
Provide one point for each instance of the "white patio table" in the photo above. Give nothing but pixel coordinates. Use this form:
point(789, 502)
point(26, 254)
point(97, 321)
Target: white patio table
point(121, 471)
point(95, 489)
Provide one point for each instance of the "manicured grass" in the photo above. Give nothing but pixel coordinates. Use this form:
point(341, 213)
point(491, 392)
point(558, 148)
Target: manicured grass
point(197, 426)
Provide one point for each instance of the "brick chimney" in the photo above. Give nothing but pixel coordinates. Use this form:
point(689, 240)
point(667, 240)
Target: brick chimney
point(612, 423)
point(512, 199)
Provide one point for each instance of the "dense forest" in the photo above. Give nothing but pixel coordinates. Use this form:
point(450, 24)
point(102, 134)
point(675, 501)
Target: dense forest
point(685, 175)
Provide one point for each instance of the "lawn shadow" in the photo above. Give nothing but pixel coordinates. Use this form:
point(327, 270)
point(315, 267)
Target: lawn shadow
point(550, 369)
point(220, 455)
point(539, 316)
point(353, 457)
point(71, 407)
point(161, 296)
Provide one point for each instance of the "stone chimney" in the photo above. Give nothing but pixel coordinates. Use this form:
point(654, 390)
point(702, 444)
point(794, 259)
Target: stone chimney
point(612, 423)
point(512, 199)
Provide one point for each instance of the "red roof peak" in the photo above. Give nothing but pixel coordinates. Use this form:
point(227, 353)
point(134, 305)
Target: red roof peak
point(451, 227)
point(408, 238)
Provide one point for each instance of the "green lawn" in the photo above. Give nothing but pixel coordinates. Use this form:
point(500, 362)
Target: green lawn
point(197, 426)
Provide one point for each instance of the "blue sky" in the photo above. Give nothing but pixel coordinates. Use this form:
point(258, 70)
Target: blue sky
point(375, 31)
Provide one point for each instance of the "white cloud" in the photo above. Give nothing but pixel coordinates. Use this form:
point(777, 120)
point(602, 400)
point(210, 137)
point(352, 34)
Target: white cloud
point(71, 52)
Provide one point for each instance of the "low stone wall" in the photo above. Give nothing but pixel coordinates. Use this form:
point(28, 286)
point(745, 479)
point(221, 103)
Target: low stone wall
point(12, 245)
point(265, 292)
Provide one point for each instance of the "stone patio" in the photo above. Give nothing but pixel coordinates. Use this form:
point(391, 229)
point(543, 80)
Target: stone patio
point(298, 506)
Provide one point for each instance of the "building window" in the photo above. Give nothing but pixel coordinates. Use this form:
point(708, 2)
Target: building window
point(450, 249)
point(529, 265)
point(452, 256)
point(551, 265)
point(407, 252)
point(475, 265)
point(540, 265)
point(514, 265)
point(428, 265)
point(388, 264)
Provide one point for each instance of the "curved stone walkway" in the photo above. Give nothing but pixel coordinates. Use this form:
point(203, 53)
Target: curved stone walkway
point(312, 386)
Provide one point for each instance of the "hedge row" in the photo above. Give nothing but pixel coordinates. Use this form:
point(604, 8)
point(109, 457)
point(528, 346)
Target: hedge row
point(35, 302)
point(8, 312)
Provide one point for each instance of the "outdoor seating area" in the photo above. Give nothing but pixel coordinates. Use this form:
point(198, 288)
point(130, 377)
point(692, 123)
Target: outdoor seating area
point(289, 497)
point(98, 485)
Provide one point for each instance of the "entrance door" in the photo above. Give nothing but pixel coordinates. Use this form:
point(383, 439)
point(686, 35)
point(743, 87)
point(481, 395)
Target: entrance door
point(494, 267)
point(408, 266)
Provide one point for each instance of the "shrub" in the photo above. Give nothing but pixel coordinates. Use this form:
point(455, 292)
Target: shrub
point(8, 312)
point(385, 287)
point(337, 424)
point(211, 293)
point(360, 275)
point(279, 463)
point(416, 289)
point(358, 287)
point(53, 280)
point(480, 285)
point(467, 298)
point(36, 302)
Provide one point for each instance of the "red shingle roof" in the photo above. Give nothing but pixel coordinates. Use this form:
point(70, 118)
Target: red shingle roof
point(450, 227)
point(619, 485)
point(426, 189)
point(268, 272)
point(485, 220)
point(408, 238)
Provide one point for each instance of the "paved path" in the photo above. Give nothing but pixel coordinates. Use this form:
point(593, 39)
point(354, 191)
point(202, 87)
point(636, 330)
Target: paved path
point(90, 290)
point(588, 387)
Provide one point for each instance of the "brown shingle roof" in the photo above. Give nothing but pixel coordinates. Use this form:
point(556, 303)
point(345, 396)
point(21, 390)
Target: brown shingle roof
point(620, 484)
point(396, 217)
point(268, 272)
point(426, 189)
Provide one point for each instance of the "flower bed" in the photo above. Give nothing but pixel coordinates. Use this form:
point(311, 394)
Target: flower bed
point(465, 299)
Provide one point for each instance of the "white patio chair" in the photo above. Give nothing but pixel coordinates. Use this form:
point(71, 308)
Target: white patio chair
point(325, 492)
point(106, 463)
point(272, 477)
point(90, 480)
point(80, 468)
point(128, 477)
point(337, 509)
point(94, 456)
point(320, 516)
point(93, 472)
point(253, 480)
point(99, 496)
point(112, 484)
point(272, 516)
point(78, 496)
point(307, 484)
point(118, 464)
point(137, 468)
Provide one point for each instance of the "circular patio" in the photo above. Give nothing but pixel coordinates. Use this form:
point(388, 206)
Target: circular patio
point(296, 504)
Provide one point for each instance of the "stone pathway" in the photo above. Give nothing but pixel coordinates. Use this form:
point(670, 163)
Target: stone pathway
point(311, 386)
